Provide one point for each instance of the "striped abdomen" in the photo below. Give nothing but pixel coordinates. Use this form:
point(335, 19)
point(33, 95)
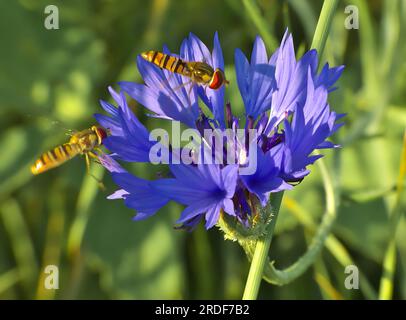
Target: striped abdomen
point(55, 157)
point(166, 61)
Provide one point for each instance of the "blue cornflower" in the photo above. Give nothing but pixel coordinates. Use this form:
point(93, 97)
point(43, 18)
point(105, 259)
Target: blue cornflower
point(286, 107)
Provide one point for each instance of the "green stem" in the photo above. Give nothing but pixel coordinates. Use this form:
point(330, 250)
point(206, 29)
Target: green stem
point(282, 277)
point(302, 264)
point(389, 263)
point(333, 244)
point(21, 243)
point(9, 279)
point(87, 195)
point(306, 14)
point(261, 252)
point(323, 26)
point(261, 24)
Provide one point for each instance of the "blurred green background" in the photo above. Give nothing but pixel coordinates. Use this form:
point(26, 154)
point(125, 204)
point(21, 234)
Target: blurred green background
point(51, 81)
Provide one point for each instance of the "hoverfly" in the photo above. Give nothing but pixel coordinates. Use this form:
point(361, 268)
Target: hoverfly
point(82, 142)
point(198, 72)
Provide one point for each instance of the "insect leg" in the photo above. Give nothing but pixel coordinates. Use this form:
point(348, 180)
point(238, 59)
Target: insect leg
point(95, 155)
point(87, 163)
point(87, 157)
point(92, 154)
point(182, 85)
point(98, 150)
point(193, 83)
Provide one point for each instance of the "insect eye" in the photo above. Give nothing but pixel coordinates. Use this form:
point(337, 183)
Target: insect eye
point(217, 80)
point(101, 133)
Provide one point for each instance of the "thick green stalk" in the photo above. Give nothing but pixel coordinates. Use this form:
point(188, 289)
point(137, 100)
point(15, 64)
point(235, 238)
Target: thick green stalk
point(389, 263)
point(388, 273)
point(273, 275)
point(282, 277)
point(323, 26)
point(87, 195)
point(301, 265)
point(260, 253)
point(260, 257)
